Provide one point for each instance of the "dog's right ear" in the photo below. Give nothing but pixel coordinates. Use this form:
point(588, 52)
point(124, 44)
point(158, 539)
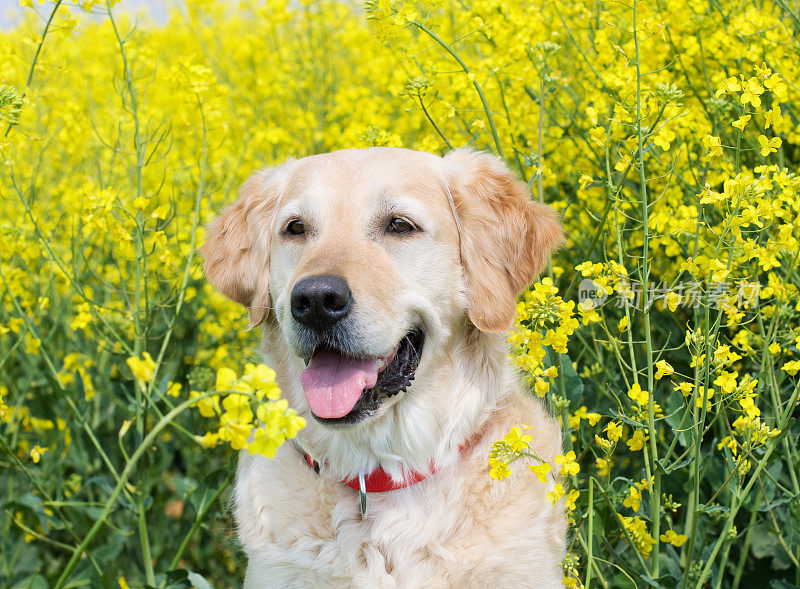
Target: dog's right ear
point(237, 246)
point(506, 238)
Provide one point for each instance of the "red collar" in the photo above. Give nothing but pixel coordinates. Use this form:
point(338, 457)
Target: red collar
point(379, 481)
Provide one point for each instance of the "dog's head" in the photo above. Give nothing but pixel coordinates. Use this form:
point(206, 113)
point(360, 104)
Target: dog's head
point(370, 269)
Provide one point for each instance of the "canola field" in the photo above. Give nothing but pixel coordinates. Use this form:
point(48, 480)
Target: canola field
point(665, 334)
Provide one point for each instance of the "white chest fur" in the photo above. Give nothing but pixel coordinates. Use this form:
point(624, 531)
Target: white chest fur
point(456, 528)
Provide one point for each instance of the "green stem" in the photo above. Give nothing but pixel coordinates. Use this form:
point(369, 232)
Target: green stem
point(432, 122)
point(490, 119)
point(540, 137)
point(199, 519)
point(589, 538)
point(123, 480)
point(746, 491)
point(192, 247)
point(655, 489)
point(46, 496)
point(146, 556)
point(36, 54)
point(746, 546)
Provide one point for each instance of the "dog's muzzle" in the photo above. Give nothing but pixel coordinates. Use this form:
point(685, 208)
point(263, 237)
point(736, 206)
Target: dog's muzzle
point(342, 389)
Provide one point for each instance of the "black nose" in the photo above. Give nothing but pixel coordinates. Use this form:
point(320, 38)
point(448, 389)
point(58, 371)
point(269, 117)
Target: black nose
point(321, 301)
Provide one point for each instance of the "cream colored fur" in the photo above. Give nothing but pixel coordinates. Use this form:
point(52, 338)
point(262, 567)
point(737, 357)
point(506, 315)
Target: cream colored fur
point(481, 241)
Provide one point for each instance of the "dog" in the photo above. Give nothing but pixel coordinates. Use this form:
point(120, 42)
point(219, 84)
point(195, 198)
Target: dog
point(385, 281)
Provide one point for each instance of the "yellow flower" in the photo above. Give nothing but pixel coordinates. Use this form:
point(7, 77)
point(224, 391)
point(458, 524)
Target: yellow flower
point(637, 441)
point(540, 387)
point(633, 501)
point(741, 122)
point(791, 367)
point(614, 431)
point(143, 369)
point(701, 397)
point(517, 440)
point(575, 418)
point(606, 445)
point(730, 85)
point(637, 394)
point(751, 92)
point(672, 537)
point(550, 373)
point(264, 443)
point(725, 355)
point(598, 135)
point(777, 86)
point(663, 138)
point(588, 313)
point(209, 440)
point(769, 146)
point(763, 70)
point(623, 324)
point(82, 318)
point(36, 453)
point(498, 469)
point(262, 378)
point(237, 408)
point(730, 443)
point(208, 407)
point(234, 431)
point(569, 467)
point(726, 381)
point(684, 388)
point(557, 340)
point(773, 118)
point(743, 466)
point(540, 470)
point(642, 539)
point(225, 379)
point(32, 344)
point(571, 498)
point(664, 369)
point(588, 269)
point(713, 144)
point(673, 300)
point(292, 423)
point(556, 494)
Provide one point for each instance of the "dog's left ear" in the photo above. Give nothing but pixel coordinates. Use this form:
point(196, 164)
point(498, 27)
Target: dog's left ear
point(505, 237)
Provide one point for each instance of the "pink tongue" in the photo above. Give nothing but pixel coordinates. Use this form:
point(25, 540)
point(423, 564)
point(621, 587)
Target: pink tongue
point(333, 383)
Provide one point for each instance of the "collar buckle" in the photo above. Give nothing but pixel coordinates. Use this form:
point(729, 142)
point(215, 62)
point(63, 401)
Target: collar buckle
point(362, 495)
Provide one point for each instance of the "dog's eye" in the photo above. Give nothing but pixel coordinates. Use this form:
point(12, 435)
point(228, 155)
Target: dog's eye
point(296, 227)
point(398, 225)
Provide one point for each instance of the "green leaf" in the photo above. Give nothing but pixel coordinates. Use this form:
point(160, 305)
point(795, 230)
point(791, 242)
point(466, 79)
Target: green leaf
point(573, 384)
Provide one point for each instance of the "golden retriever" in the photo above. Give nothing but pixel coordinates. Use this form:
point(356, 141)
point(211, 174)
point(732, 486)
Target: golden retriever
point(386, 281)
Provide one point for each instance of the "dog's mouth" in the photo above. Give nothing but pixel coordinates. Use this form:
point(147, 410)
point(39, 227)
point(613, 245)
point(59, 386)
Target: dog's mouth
point(341, 389)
